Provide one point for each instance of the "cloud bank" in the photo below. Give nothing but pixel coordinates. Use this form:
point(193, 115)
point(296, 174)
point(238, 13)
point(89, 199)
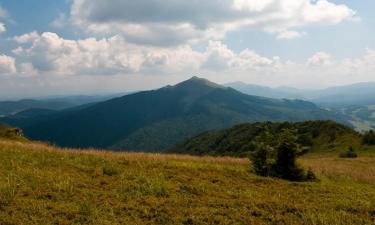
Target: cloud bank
point(174, 22)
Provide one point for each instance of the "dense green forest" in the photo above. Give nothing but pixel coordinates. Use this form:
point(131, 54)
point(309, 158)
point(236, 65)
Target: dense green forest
point(243, 139)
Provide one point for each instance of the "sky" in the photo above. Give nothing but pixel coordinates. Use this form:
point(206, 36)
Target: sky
point(68, 47)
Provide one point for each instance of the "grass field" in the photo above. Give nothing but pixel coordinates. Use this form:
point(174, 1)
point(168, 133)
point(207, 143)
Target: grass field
point(45, 185)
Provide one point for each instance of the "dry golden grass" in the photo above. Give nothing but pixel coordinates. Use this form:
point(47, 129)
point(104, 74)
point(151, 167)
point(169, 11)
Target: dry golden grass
point(360, 169)
point(40, 184)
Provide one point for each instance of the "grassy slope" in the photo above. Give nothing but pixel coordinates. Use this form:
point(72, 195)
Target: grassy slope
point(40, 185)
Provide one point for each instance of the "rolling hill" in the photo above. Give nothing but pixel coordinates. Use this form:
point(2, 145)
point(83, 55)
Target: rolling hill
point(156, 120)
point(241, 140)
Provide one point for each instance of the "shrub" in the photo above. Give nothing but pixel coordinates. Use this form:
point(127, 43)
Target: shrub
point(369, 138)
point(310, 175)
point(110, 170)
point(280, 161)
point(350, 153)
point(286, 166)
point(263, 161)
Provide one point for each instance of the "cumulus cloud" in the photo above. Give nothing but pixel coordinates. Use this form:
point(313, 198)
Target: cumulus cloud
point(319, 59)
point(2, 28)
point(7, 65)
point(158, 22)
point(218, 57)
point(51, 53)
point(28, 37)
point(289, 34)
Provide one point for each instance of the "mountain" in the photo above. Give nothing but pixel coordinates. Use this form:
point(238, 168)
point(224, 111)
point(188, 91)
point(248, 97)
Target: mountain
point(156, 120)
point(241, 140)
point(258, 90)
point(334, 97)
point(13, 107)
point(8, 108)
point(343, 96)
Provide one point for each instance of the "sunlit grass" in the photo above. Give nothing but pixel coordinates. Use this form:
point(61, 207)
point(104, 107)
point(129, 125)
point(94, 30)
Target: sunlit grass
point(41, 184)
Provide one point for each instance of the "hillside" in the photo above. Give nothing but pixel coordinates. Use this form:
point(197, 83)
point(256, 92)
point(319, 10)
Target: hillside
point(44, 185)
point(11, 133)
point(312, 136)
point(156, 120)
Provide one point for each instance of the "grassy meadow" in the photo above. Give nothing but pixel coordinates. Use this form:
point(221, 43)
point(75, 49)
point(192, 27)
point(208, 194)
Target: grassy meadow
point(40, 184)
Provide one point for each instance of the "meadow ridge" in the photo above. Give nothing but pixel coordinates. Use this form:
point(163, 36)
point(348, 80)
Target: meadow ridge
point(41, 184)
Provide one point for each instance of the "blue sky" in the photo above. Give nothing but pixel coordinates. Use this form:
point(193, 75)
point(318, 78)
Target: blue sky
point(53, 47)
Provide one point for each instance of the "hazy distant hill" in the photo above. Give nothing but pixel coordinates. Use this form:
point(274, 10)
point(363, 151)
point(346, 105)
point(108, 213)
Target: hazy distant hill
point(264, 91)
point(53, 103)
point(156, 120)
point(340, 96)
point(13, 107)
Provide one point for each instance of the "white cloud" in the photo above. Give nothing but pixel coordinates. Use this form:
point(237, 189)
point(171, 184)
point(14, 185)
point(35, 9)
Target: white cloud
point(319, 59)
point(50, 53)
point(218, 57)
point(158, 22)
point(27, 69)
point(2, 28)
point(28, 37)
point(289, 34)
point(7, 65)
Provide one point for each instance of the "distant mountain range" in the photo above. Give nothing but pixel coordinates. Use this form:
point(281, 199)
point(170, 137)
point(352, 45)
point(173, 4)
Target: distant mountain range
point(341, 96)
point(57, 103)
point(156, 120)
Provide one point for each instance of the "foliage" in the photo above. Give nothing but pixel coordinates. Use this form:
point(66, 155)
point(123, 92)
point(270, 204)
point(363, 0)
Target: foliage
point(242, 140)
point(369, 138)
point(280, 161)
point(11, 133)
point(350, 153)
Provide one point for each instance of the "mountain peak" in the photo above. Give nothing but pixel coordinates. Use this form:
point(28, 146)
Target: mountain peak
point(197, 81)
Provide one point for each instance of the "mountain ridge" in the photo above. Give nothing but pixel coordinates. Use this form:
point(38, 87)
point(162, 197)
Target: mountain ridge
point(173, 113)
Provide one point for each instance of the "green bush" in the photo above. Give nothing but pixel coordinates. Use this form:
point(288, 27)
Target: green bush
point(280, 161)
point(350, 153)
point(263, 161)
point(286, 166)
point(369, 138)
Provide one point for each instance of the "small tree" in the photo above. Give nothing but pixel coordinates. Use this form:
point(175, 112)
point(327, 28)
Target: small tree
point(263, 161)
point(280, 161)
point(286, 165)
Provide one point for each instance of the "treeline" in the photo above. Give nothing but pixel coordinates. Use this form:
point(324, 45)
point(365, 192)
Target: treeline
point(242, 140)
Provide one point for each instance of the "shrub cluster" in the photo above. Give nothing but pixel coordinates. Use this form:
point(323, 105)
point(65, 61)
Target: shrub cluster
point(280, 161)
point(369, 138)
point(350, 153)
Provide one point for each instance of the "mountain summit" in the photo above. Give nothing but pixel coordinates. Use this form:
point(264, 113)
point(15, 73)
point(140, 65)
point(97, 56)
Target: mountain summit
point(156, 120)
